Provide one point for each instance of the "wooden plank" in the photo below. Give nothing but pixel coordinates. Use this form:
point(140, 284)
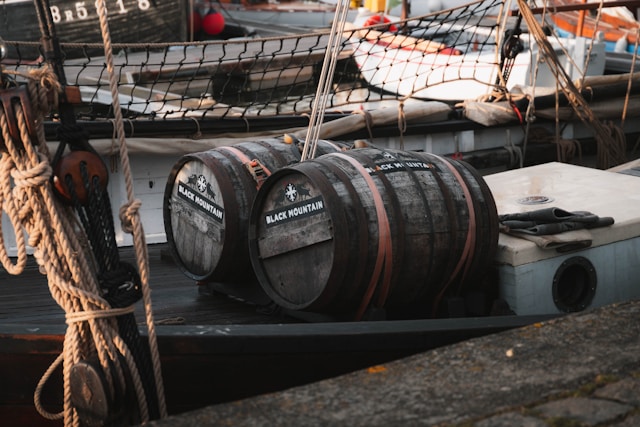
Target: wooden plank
point(395, 41)
point(26, 298)
point(295, 236)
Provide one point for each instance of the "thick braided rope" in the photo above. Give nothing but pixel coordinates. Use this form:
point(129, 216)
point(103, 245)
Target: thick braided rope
point(132, 221)
point(60, 250)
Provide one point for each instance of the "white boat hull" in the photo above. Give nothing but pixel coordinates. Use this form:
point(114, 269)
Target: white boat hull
point(446, 77)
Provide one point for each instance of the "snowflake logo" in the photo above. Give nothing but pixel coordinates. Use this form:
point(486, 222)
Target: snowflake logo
point(291, 192)
point(201, 183)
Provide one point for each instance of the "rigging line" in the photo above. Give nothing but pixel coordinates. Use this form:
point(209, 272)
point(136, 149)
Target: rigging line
point(580, 106)
point(131, 209)
point(630, 80)
point(319, 103)
point(326, 78)
point(501, 22)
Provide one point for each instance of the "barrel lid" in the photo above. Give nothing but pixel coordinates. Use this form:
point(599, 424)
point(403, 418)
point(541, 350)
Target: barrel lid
point(196, 219)
point(291, 238)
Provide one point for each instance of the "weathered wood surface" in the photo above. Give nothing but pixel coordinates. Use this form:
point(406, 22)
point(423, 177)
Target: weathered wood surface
point(25, 299)
point(207, 203)
point(319, 230)
point(130, 21)
point(220, 350)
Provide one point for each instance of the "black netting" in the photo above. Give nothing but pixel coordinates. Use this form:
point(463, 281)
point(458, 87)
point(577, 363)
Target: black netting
point(250, 77)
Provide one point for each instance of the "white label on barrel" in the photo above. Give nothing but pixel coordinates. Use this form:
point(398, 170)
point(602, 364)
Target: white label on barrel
point(301, 209)
point(395, 166)
point(201, 202)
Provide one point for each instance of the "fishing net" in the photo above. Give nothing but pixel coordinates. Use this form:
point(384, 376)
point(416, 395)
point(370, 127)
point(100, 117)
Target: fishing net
point(248, 77)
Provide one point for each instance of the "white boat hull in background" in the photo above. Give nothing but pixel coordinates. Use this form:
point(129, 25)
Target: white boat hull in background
point(443, 76)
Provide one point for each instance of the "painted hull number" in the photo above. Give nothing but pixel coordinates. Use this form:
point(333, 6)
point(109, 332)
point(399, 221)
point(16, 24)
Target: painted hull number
point(80, 11)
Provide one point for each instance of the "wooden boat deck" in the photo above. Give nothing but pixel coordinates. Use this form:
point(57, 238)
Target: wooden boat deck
point(25, 299)
point(213, 348)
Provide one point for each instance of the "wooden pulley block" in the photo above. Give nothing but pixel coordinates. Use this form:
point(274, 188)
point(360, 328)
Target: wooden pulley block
point(11, 98)
point(90, 394)
point(82, 167)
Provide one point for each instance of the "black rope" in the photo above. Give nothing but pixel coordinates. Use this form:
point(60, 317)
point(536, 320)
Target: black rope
point(119, 281)
point(73, 136)
point(122, 287)
point(511, 47)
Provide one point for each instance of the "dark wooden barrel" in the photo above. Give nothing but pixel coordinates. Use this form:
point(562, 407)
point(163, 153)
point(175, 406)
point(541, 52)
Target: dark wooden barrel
point(207, 201)
point(371, 228)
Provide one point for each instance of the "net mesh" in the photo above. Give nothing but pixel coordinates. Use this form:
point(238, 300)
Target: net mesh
point(249, 77)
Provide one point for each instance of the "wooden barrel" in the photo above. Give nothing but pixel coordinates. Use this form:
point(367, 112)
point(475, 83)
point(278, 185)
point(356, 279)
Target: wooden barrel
point(371, 228)
point(207, 201)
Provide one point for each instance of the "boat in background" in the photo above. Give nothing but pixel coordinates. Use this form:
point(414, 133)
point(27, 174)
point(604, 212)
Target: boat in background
point(191, 98)
point(192, 110)
point(616, 25)
point(460, 56)
point(277, 17)
point(134, 22)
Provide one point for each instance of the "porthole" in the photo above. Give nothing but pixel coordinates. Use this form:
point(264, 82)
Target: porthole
point(574, 284)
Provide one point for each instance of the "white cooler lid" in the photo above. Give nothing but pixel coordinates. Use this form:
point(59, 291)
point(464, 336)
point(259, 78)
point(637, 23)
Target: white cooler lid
point(572, 188)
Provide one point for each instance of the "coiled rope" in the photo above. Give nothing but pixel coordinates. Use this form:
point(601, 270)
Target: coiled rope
point(62, 250)
point(60, 247)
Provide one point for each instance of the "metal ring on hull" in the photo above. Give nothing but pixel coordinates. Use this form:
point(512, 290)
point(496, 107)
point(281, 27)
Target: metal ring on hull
point(574, 284)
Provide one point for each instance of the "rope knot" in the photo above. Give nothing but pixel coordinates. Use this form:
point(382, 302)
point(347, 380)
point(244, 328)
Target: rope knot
point(35, 176)
point(34, 241)
point(368, 121)
point(44, 86)
point(128, 212)
point(46, 77)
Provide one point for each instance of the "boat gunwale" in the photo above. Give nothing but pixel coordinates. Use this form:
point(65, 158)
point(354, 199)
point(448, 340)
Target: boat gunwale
point(293, 337)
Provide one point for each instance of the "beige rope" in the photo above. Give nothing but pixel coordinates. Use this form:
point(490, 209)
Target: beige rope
point(132, 219)
point(60, 248)
point(605, 139)
point(630, 79)
point(402, 123)
point(326, 78)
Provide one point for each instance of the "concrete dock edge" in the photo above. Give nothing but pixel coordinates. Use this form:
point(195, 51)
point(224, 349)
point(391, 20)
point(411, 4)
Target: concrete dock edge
point(584, 368)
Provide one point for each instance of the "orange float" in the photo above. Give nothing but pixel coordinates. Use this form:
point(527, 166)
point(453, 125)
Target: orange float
point(378, 20)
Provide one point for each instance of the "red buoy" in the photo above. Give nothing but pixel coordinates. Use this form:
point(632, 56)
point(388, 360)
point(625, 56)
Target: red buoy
point(213, 23)
point(376, 20)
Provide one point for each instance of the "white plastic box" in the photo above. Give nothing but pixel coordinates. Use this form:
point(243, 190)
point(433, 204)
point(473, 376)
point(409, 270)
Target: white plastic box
point(544, 281)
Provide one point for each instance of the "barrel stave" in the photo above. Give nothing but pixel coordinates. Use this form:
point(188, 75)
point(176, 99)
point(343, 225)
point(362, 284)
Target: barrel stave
point(207, 247)
point(419, 224)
